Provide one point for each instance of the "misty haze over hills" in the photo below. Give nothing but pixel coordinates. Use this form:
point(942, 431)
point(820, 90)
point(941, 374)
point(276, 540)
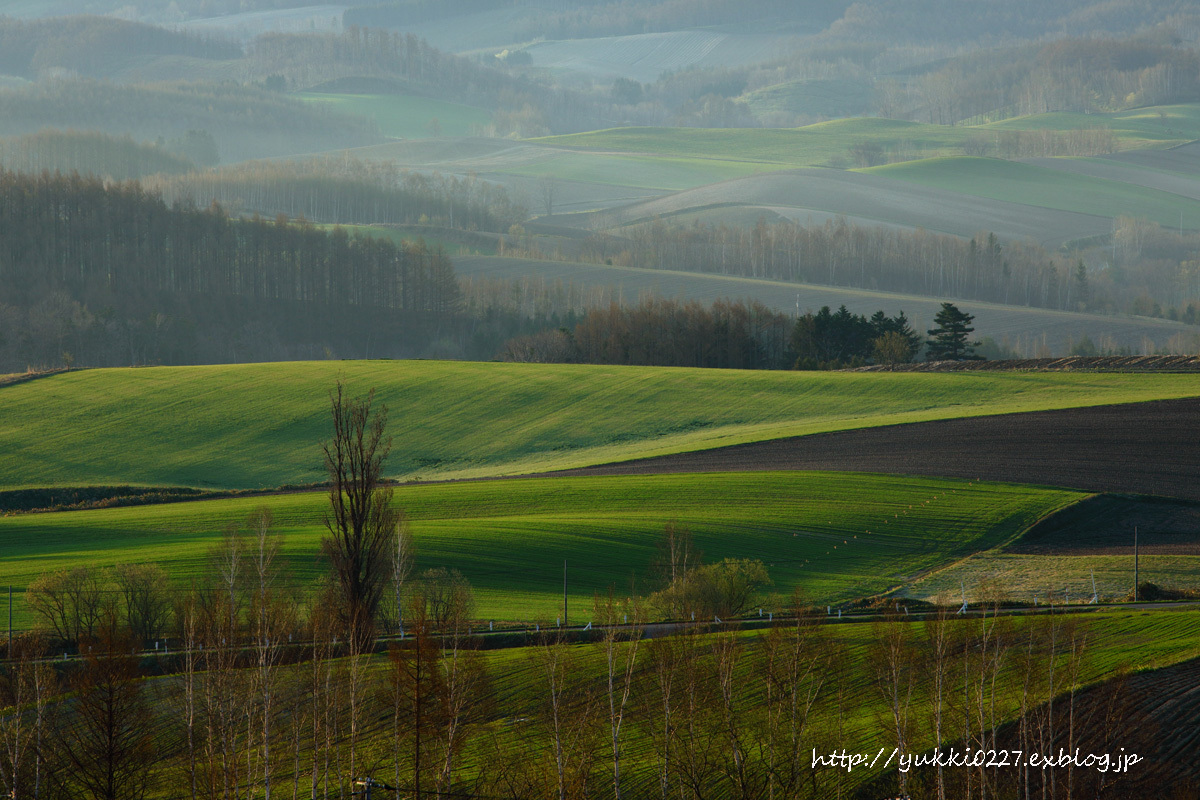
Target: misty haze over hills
point(1035, 155)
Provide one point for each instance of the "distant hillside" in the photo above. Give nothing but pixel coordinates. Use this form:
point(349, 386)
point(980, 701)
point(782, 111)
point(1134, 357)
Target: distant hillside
point(94, 46)
point(244, 122)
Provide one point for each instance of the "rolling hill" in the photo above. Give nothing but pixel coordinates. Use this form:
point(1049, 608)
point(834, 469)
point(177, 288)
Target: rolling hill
point(1036, 187)
point(259, 425)
point(840, 536)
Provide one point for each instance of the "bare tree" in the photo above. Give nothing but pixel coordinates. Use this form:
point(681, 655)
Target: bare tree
point(795, 662)
point(187, 614)
point(446, 598)
point(465, 685)
point(402, 561)
point(69, 602)
point(418, 692)
point(24, 690)
point(546, 187)
point(569, 714)
point(219, 607)
point(361, 521)
point(664, 656)
point(107, 742)
point(143, 589)
point(937, 645)
point(894, 670)
point(272, 618)
point(620, 662)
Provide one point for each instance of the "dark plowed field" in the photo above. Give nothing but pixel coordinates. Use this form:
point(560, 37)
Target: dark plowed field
point(1143, 448)
point(1103, 525)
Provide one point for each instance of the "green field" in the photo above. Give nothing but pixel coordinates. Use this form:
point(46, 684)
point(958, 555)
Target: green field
point(829, 98)
point(830, 142)
point(404, 116)
point(1152, 127)
point(400, 235)
point(645, 172)
point(259, 425)
point(837, 536)
point(1015, 182)
point(812, 145)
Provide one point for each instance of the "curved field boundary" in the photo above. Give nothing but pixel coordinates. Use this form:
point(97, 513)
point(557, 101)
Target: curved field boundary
point(254, 426)
point(1107, 168)
point(876, 197)
point(1145, 448)
point(1051, 190)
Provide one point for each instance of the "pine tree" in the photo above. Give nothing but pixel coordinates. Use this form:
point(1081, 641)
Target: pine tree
point(948, 341)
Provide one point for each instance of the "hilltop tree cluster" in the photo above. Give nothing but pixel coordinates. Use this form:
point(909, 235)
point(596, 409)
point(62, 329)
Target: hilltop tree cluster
point(728, 334)
point(732, 334)
point(830, 340)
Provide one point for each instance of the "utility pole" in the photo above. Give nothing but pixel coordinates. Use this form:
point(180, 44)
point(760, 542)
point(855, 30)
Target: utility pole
point(10, 620)
point(1135, 564)
point(368, 784)
point(565, 622)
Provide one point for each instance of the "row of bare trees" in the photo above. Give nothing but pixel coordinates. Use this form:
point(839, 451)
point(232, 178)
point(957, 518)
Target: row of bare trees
point(262, 699)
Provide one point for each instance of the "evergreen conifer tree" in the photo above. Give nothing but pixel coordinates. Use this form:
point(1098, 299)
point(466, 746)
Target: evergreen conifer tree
point(949, 340)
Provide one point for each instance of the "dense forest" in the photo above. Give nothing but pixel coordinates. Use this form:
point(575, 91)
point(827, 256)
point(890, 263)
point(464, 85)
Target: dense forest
point(98, 274)
point(667, 333)
point(117, 157)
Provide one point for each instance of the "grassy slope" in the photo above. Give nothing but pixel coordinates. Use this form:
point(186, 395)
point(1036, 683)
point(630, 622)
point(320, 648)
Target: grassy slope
point(835, 97)
point(812, 145)
point(1155, 126)
point(510, 538)
point(258, 425)
point(404, 116)
point(1024, 576)
point(402, 235)
point(807, 146)
point(1025, 183)
point(643, 172)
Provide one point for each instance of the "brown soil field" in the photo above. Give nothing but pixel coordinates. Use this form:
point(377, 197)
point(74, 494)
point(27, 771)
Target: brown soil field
point(1160, 708)
point(1151, 714)
point(1142, 448)
point(1102, 525)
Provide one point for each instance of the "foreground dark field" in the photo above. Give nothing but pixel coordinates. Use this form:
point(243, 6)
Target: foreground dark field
point(1144, 448)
